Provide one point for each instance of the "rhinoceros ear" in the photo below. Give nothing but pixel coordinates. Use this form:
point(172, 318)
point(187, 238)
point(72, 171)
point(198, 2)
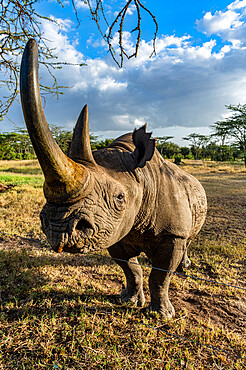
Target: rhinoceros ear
point(145, 146)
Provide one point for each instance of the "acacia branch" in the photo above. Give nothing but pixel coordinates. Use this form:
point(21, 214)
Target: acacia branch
point(19, 22)
point(120, 19)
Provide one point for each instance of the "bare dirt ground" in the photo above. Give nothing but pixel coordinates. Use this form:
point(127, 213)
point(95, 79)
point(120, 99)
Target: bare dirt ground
point(226, 218)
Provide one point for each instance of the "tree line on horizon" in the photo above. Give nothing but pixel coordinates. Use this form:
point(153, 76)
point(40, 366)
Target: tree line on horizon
point(17, 145)
point(227, 143)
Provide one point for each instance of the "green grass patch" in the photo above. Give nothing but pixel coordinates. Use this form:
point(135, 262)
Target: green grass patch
point(21, 172)
point(18, 179)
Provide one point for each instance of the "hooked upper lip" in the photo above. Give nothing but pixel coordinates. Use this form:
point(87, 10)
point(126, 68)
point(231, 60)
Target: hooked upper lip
point(65, 236)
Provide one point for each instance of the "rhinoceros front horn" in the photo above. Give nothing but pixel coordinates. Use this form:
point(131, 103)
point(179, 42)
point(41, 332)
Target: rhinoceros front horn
point(65, 179)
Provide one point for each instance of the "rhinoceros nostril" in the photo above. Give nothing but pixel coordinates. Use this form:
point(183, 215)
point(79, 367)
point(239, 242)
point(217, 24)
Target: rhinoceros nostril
point(84, 226)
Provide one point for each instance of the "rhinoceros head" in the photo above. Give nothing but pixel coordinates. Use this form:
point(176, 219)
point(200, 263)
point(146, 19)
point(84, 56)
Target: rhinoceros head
point(87, 207)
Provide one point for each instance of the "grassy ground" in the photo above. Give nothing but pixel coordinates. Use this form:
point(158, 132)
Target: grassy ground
point(63, 312)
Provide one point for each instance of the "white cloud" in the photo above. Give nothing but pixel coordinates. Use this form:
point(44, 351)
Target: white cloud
point(131, 9)
point(95, 43)
point(219, 22)
point(238, 4)
point(204, 52)
point(229, 25)
point(108, 83)
point(81, 4)
point(223, 51)
point(171, 40)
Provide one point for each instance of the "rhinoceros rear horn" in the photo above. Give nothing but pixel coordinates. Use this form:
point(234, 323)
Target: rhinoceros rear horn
point(64, 178)
point(80, 148)
point(145, 146)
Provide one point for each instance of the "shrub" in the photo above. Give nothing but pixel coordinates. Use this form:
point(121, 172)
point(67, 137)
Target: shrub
point(178, 158)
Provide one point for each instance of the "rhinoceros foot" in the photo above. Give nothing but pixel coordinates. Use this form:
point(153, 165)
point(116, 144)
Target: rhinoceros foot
point(134, 297)
point(166, 310)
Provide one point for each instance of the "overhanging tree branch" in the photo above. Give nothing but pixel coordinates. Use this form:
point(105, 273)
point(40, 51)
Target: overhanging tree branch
point(98, 13)
point(19, 21)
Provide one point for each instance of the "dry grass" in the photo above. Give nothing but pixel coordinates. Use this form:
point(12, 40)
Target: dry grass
point(63, 311)
point(19, 164)
point(198, 166)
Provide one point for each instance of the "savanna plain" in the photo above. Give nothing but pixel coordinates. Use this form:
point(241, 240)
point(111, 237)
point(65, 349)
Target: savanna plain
point(60, 311)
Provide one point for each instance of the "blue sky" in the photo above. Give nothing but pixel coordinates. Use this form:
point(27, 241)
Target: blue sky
point(199, 68)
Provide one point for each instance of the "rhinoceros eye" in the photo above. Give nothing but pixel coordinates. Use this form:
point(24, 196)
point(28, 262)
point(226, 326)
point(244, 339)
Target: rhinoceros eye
point(119, 201)
point(120, 197)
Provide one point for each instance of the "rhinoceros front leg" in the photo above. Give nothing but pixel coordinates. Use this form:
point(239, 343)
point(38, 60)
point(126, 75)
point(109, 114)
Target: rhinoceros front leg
point(167, 257)
point(185, 263)
point(134, 276)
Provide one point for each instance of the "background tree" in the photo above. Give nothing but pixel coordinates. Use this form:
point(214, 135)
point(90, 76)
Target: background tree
point(101, 144)
point(212, 151)
point(161, 141)
point(19, 21)
point(16, 145)
point(186, 152)
point(169, 150)
point(236, 151)
point(198, 144)
point(64, 138)
point(234, 127)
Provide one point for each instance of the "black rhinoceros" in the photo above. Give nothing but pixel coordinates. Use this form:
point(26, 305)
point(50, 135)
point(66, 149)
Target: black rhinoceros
point(125, 197)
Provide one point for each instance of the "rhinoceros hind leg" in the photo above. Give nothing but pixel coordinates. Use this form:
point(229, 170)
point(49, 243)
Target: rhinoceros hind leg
point(168, 258)
point(134, 276)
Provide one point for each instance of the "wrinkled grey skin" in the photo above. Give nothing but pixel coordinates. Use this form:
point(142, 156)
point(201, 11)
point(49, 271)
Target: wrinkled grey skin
point(156, 209)
point(126, 197)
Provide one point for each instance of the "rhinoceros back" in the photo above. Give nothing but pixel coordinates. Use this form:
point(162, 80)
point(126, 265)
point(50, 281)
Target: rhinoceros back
point(174, 202)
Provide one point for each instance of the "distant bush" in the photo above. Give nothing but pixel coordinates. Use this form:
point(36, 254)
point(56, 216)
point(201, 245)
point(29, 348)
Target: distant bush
point(178, 159)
